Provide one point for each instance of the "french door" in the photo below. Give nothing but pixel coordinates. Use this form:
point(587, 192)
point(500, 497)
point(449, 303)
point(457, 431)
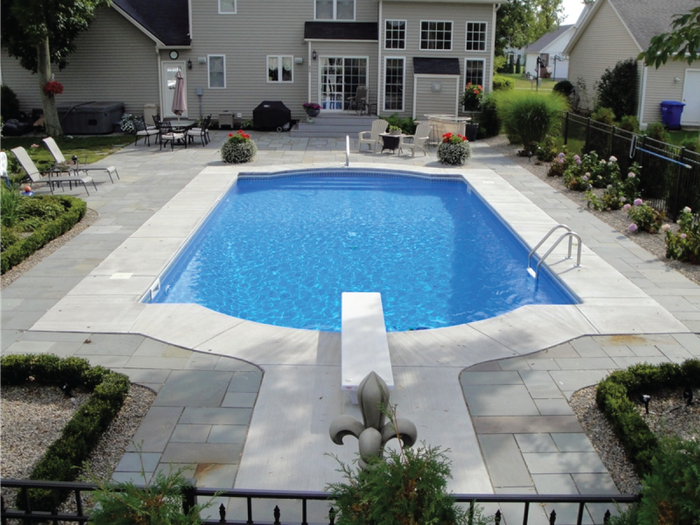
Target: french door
point(339, 79)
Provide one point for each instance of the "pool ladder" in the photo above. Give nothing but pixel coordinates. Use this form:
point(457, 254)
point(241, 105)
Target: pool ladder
point(568, 234)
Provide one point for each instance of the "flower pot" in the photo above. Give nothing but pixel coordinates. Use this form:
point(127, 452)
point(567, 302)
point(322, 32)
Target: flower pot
point(313, 112)
point(453, 154)
point(395, 132)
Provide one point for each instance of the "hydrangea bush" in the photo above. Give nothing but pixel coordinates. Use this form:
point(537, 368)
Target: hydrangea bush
point(239, 148)
point(619, 193)
point(684, 244)
point(643, 216)
point(454, 149)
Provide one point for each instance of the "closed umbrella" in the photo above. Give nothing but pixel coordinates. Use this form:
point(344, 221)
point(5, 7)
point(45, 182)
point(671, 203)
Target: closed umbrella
point(179, 96)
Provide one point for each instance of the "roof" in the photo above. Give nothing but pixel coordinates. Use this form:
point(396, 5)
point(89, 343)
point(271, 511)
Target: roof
point(166, 20)
point(547, 39)
point(644, 19)
point(435, 66)
point(341, 31)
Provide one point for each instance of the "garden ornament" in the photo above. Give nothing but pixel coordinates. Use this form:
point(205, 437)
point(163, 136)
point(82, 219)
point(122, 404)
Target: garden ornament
point(374, 432)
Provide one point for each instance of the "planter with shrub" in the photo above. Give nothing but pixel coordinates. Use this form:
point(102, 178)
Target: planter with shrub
point(239, 148)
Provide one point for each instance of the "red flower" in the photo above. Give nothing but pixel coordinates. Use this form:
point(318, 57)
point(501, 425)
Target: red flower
point(53, 88)
point(230, 135)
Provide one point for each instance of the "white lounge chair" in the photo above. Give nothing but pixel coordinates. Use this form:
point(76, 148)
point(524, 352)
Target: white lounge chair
point(371, 138)
point(62, 163)
point(35, 176)
point(418, 140)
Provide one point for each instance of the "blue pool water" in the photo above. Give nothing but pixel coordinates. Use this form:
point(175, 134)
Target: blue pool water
point(281, 250)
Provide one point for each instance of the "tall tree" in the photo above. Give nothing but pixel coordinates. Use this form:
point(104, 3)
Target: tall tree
point(682, 43)
point(548, 16)
point(40, 33)
point(520, 22)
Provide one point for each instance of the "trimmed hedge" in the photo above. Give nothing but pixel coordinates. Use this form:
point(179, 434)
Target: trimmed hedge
point(74, 211)
point(66, 455)
point(614, 397)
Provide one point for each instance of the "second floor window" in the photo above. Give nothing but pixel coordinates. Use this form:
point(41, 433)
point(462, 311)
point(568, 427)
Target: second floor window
point(335, 9)
point(227, 7)
point(435, 35)
point(395, 34)
point(280, 69)
point(476, 36)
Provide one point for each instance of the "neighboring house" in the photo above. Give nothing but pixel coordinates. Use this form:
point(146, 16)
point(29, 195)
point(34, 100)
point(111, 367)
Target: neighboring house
point(550, 49)
point(415, 56)
point(616, 30)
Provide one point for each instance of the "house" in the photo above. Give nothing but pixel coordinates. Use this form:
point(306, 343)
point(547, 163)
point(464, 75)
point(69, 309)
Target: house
point(415, 56)
point(616, 30)
point(550, 49)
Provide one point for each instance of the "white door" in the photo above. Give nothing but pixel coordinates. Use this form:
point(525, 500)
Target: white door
point(691, 98)
point(170, 69)
point(339, 78)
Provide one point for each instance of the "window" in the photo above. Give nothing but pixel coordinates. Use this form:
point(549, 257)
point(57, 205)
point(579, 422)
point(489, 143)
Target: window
point(476, 36)
point(335, 9)
point(280, 69)
point(227, 7)
point(474, 72)
point(435, 35)
point(217, 71)
point(395, 34)
point(393, 83)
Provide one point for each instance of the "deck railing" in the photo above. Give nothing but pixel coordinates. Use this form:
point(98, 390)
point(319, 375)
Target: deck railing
point(573, 507)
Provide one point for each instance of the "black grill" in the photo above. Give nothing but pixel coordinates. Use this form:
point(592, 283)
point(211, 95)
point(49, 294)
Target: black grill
point(272, 115)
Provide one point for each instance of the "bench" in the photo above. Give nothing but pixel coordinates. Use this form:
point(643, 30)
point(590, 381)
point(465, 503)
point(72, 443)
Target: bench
point(364, 346)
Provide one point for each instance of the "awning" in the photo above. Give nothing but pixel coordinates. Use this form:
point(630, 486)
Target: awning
point(435, 66)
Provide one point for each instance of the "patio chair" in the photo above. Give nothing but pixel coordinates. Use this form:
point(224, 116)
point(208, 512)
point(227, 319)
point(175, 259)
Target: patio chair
point(36, 177)
point(63, 166)
point(359, 101)
point(201, 132)
point(418, 140)
point(168, 134)
point(144, 131)
point(371, 138)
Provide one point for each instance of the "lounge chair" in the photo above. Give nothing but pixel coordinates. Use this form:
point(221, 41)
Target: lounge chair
point(62, 163)
point(418, 140)
point(371, 138)
point(35, 176)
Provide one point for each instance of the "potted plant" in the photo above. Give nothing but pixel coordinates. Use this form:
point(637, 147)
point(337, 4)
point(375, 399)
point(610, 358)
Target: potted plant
point(454, 149)
point(312, 109)
point(471, 99)
point(394, 130)
point(239, 148)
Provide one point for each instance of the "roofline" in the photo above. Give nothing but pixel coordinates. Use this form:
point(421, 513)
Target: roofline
point(159, 43)
point(340, 40)
point(627, 28)
point(570, 28)
point(587, 21)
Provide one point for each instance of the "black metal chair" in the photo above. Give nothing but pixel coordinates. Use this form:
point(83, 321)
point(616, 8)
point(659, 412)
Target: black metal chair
point(201, 132)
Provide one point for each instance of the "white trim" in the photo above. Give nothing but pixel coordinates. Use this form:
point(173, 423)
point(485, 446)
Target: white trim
point(475, 59)
point(151, 36)
point(235, 8)
point(279, 65)
point(403, 83)
point(383, 36)
point(687, 122)
point(209, 57)
point(486, 34)
point(335, 13)
point(319, 76)
point(452, 35)
point(642, 95)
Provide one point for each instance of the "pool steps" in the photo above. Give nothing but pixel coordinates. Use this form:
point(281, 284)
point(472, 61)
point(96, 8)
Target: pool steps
point(570, 234)
point(364, 345)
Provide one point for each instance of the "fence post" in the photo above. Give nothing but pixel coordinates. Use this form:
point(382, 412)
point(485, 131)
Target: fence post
point(606, 517)
point(612, 140)
point(588, 135)
point(553, 517)
point(189, 495)
point(566, 129)
point(672, 208)
point(222, 513)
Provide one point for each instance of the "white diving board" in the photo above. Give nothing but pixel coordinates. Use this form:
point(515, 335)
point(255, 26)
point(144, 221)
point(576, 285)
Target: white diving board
point(364, 346)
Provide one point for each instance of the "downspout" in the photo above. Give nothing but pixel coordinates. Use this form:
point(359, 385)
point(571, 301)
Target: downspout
point(160, 82)
point(642, 95)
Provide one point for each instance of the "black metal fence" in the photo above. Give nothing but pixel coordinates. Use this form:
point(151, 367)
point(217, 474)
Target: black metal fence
point(670, 175)
point(559, 509)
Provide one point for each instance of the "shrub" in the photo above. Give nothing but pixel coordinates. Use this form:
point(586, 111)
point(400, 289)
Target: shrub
point(564, 87)
point(657, 131)
point(546, 150)
point(691, 144)
point(489, 121)
point(617, 88)
point(644, 217)
point(629, 123)
point(529, 117)
point(502, 83)
point(9, 204)
point(454, 149)
point(604, 116)
point(406, 124)
point(684, 245)
point(471, 99)
point(561, 163)
point(620, 191)
point(239, 148)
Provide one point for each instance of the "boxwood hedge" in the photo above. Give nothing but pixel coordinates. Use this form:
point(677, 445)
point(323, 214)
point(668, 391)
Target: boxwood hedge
point(64, 456)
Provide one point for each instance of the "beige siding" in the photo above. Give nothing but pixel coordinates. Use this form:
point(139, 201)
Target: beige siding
point(605, 42)
point(660, 86)
point(112, 58)
point(459, 15)
point(432, 102)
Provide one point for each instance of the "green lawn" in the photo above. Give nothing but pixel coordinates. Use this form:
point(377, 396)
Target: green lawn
point(546, 84)
point(679, 136)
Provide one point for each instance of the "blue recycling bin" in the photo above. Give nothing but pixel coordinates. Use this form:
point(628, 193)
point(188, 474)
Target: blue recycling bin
point(671, 114)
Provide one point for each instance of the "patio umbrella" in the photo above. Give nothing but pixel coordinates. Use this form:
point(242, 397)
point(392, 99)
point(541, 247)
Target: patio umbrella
point(179, 96)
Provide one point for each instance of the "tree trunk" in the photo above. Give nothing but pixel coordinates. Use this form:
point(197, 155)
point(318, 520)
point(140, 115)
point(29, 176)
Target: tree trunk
point(48, 102)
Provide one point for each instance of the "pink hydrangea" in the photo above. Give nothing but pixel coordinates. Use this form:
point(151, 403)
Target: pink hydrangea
point(687, 209)
point(627, 207)
point(665, 227)
point(631, 175)
point(632, 227)
point(613, 158)
point(683, 235)
point(638, 202)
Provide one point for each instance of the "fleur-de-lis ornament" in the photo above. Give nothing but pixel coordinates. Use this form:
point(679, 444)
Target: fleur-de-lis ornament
point(374, 431)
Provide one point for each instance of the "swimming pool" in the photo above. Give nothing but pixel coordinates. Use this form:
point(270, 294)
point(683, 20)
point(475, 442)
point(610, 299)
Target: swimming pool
point(280, 250)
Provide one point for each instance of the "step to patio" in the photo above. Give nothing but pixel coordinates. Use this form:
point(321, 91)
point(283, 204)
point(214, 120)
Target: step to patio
point(333, 125)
